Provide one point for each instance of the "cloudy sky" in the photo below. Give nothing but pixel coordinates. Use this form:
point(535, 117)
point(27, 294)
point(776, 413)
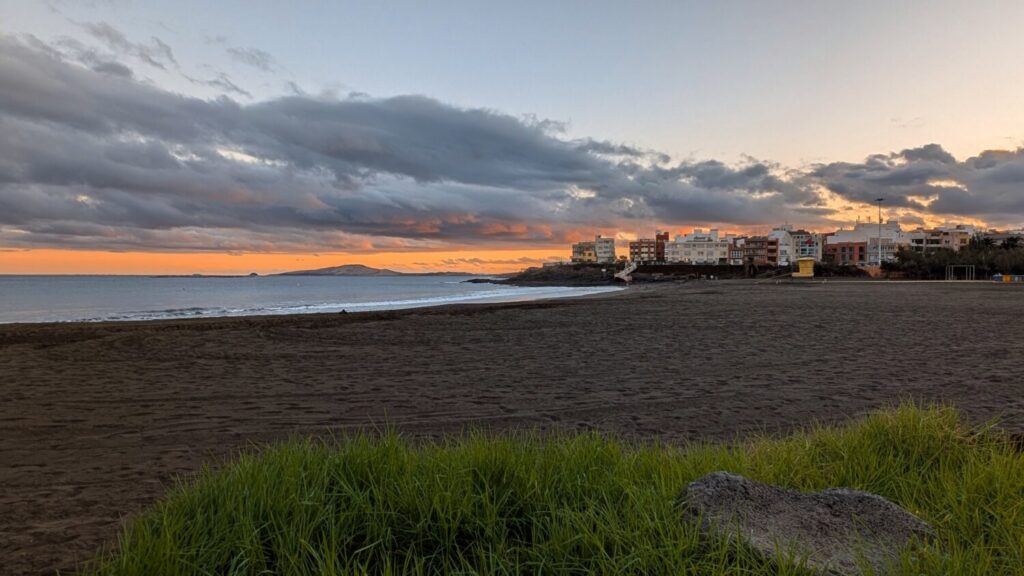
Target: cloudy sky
point(235, 136)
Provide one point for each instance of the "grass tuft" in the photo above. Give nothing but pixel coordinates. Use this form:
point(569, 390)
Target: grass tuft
point(566, 505)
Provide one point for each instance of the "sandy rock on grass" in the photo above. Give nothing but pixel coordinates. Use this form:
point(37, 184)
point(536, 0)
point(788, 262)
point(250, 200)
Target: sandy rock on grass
point(831, 530)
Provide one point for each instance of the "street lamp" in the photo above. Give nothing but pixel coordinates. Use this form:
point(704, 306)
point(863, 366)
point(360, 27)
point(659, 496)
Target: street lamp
point(879, 200)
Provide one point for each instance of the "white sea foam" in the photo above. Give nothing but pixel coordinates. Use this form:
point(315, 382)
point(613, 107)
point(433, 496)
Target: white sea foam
point(494, 296)
point(64, 299)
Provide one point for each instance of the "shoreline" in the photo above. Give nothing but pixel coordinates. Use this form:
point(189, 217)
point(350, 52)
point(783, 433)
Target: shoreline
point(100, 418)
point(480, 298)
point(450, 309)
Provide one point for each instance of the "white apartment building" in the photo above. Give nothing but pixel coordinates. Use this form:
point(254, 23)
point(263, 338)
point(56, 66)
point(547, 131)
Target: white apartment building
point(949, 237)
point(699, 247)
point(604, 249)
point(787, 251)
point(806, 245)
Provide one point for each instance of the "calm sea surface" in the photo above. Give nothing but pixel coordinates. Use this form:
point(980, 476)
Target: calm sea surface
point(95, 298)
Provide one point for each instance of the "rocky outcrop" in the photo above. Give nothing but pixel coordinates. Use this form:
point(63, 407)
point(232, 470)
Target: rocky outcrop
point(567, 275)
point(836, 531)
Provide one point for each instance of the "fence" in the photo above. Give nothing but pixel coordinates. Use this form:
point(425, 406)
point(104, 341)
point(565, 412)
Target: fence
point(1009, 278)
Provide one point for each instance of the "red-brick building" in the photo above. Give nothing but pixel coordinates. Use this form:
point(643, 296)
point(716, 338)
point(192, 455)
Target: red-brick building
point(847, 253)
point(647, 249)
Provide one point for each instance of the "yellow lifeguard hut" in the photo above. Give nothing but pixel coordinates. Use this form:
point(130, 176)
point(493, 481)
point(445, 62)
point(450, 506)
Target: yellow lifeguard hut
point(806, 268)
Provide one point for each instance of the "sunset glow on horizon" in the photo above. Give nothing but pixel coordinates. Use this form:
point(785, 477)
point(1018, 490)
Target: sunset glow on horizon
point(44, 261)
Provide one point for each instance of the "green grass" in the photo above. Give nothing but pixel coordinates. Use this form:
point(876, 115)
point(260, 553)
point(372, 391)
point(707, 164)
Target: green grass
point(566, 505)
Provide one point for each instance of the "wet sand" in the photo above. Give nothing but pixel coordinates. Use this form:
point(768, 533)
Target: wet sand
point(97, 419)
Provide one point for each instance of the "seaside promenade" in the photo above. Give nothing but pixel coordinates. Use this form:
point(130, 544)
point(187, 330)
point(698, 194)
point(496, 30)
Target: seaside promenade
point(99, 419)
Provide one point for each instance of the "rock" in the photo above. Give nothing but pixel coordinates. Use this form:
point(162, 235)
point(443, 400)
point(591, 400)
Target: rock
point(831, 530)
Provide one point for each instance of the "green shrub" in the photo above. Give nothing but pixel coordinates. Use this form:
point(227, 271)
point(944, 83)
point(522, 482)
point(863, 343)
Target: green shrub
point(566, 504)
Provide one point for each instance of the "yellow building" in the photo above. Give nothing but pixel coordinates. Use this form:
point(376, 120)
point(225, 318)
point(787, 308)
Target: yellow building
point(806, 268)
point(584, 252)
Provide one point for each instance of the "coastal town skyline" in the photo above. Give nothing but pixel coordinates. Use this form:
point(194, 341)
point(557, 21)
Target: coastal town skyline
point(146, 142)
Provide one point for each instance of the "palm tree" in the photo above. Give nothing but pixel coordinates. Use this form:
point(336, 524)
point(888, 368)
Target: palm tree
point(980, 241)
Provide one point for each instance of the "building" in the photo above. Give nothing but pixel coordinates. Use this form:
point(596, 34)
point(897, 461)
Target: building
point(646, 250)
point(699, 247)
point(890, 249)
point(584, 252)
point(736, 251)
point(761, 250)
point(806, 245)
point(649, 250)
point(1009, 237)
point(787, 252)
point(806, 268)
point(604, 249)
point(847, 253)
point(599, 250)
point(949, 237)
point(888, 234)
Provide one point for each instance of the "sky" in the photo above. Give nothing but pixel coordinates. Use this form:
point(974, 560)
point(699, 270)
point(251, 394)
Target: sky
point(230, 137)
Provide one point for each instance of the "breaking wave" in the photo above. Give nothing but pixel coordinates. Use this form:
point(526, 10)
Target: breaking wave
point(516, 294)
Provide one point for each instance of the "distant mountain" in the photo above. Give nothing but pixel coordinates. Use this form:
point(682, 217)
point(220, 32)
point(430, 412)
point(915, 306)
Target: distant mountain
point(360, 270)
point(346, 270)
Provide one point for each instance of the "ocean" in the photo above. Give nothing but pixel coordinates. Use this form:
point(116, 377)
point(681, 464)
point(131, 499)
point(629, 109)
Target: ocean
point(104, 298)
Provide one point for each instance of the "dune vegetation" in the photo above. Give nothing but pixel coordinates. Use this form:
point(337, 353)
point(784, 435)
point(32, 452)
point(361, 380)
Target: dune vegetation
point(573, 504)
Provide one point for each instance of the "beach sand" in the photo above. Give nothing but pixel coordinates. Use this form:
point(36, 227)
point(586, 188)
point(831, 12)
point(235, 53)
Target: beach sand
point(96, 420)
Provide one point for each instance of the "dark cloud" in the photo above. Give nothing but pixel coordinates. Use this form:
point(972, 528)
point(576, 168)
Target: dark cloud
point(929, 180)
point(222, 82)
point(89, 56)
point(156, 53)
point(113, 68)
point(928, 152)
point(91, 157)
point(253, 57)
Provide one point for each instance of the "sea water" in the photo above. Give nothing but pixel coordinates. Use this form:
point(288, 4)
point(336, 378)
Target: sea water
point(99, 298)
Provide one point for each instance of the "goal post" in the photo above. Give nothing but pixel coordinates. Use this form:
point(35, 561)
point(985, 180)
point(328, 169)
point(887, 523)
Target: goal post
point(960, 272)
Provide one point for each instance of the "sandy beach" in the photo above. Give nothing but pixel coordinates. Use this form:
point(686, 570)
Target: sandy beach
point(97, 419)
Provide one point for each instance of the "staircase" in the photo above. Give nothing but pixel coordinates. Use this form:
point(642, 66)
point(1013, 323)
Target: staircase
point(625, 274)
